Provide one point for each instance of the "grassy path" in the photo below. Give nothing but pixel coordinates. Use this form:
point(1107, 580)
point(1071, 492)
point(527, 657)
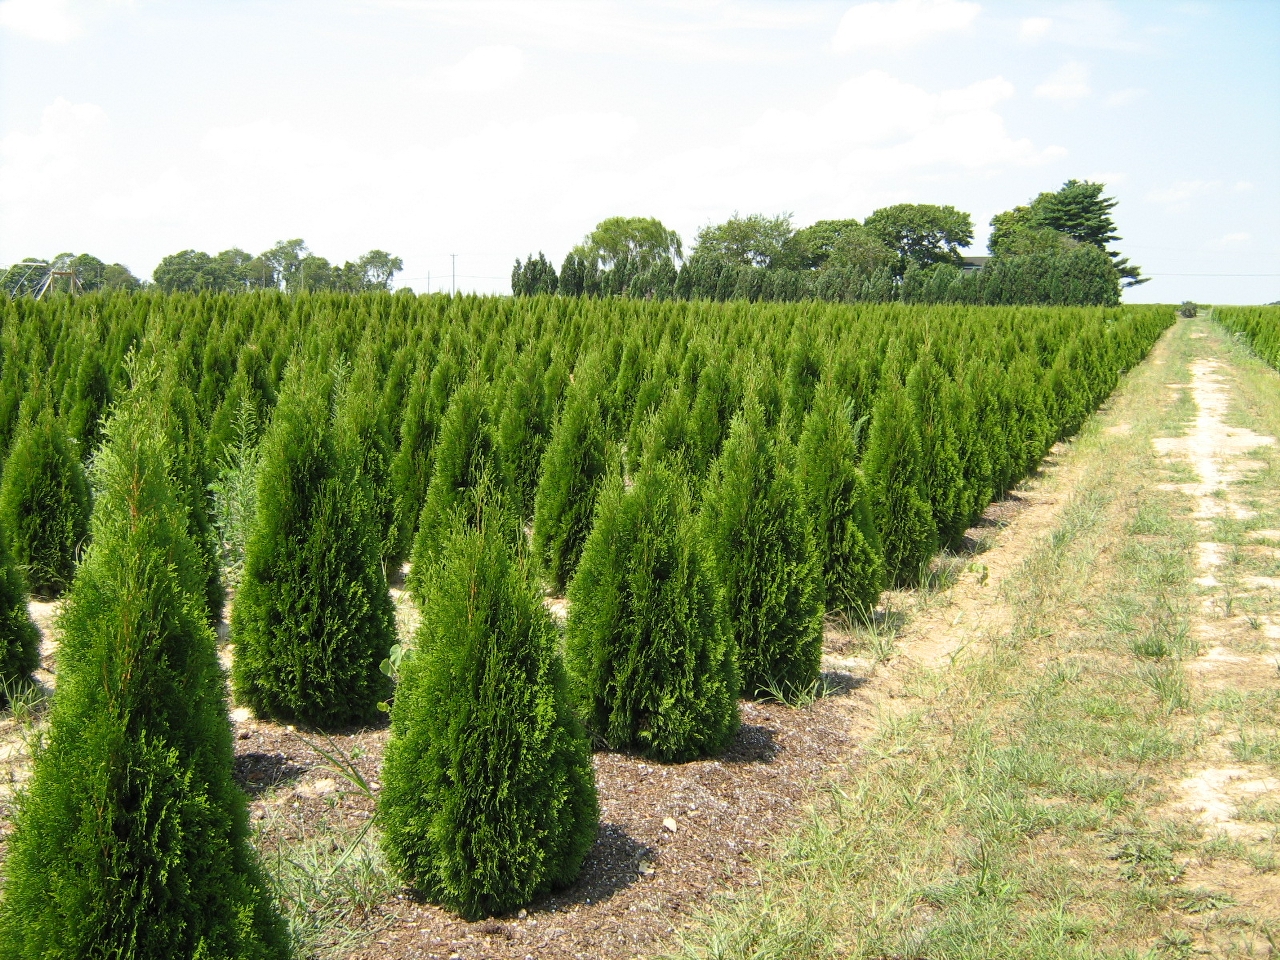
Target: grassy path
point(1079, 752)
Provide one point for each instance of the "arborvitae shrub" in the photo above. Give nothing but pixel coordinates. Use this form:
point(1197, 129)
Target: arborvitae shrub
point(761, 540)
point(895, 472)
point(572, 471)
point(839, 504)
point(944, 485)
point(647, 645)
point(488, 795)
point(132, 839)
point(465, 464)
point(44, 503)
point(19, 639)
point(366, 435)
point(313, 620)
point(176, 416)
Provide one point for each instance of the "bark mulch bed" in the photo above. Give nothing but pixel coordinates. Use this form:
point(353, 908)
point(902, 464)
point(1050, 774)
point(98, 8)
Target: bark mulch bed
point(670, 835)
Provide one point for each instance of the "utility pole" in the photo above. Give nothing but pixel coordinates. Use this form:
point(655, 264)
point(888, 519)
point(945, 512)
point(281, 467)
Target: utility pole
point(454, 258)
point(428, 281)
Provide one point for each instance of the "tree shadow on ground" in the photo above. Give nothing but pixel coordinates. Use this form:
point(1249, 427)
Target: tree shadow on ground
point(259, 772)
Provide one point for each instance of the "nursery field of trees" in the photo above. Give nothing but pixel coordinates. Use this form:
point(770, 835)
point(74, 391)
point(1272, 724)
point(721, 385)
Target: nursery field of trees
point(702, 481)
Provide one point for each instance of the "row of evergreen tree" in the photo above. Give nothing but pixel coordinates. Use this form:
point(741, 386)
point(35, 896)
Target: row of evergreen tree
point(1083, 276)
point(703, 480)
point(1259, 327)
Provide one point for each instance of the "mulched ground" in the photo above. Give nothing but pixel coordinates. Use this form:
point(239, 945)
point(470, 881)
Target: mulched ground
point(640, 880)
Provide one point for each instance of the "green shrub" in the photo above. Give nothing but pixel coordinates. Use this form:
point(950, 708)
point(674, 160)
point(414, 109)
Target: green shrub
point(19, 639)
point(363, 430)
point(313, 619)
point(761, 541)
point(943, 480)
point(572, 471)
point(839, 503)
point(44, 503)
point(465, 459)
point(895, 471)
point(132, 840)
point(488, 795)
point(647, 644)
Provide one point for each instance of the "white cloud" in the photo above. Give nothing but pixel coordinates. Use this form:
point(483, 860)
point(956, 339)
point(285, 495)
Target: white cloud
point(482, 70)
point(897, 24)
point(1069, 82)
point(47, 20)
point(56, 158)
point(1233, 238)
point(1243, 185)
point(1122, 98)
point(1177, 195)
point(873, 127)
point(1034, 28)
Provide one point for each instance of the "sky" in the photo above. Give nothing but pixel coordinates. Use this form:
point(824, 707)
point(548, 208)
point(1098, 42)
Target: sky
point(492, 129)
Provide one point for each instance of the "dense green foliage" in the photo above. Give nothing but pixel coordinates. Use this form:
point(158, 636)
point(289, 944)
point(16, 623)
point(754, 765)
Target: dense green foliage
point(667, 379)
point(488, 792)
point(44, 502)
point(1259, 327)
point(132, 839)
point(313, 620)
point(19, 639)
point(466, 463)
point(648, 648)
point(896, 470)
point(572, 471)
point(839, 503)
point(760, 538)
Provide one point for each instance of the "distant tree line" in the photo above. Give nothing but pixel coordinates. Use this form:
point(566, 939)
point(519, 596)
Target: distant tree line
point(287, 266)
point(28, 275)
point(1051, 251)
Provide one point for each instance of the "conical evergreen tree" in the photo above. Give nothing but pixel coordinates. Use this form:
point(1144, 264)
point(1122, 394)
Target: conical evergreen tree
point(367, 436)
point(132, 839)
point(761, 540)
point(488, 795)
point(313, 619)
point(839, 503)
point(895, 471)
point(950, 498)
point(19, 639)
point(465, 460)
point(44, 502)
point(572, 472)
point(647, 645)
